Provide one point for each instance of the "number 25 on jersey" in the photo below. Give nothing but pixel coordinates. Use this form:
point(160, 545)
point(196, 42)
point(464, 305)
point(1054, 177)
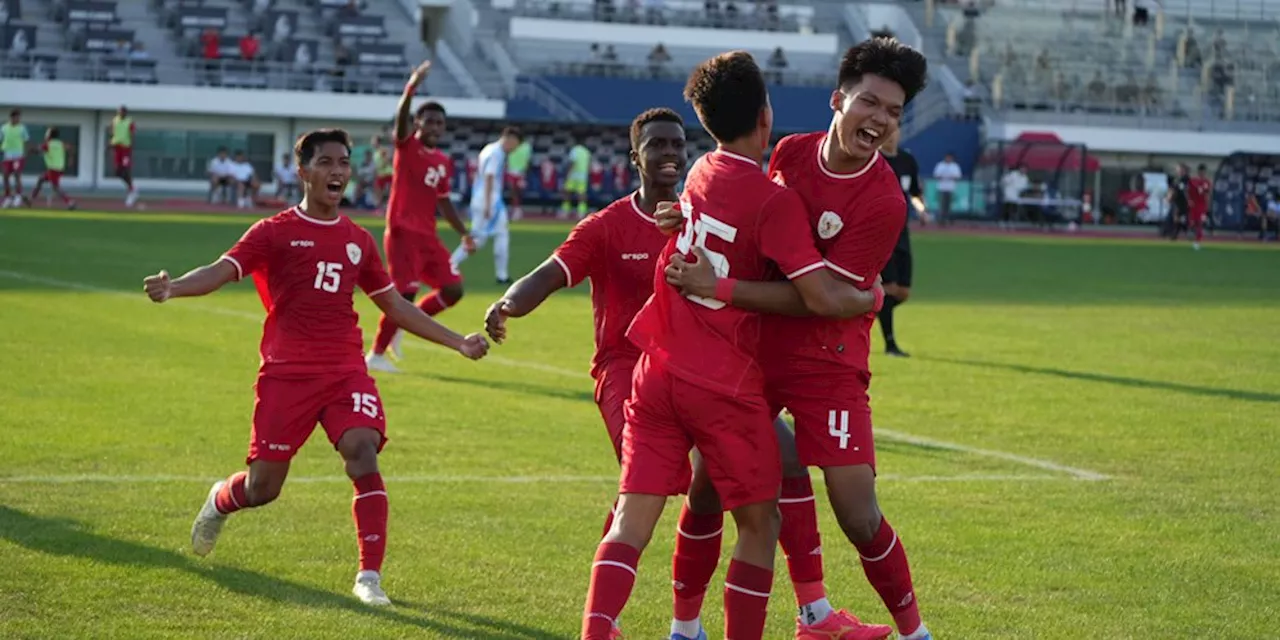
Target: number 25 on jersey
point(328, 276)
point(695, 235)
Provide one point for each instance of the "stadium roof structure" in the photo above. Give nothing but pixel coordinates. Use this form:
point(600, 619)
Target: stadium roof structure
point(1042, 151)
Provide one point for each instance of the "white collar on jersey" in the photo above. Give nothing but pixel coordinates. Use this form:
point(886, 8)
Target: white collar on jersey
point(730, 154)
point(875, 155)
point(635, 206)
point(297, 211)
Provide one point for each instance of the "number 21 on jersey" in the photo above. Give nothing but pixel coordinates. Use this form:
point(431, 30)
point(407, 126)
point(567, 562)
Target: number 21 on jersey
point(695, 235)
point(328, 276)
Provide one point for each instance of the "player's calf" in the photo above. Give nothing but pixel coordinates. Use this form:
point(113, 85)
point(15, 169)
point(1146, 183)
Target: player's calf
point(369, 510)
point(613, 572)
point(749, 580)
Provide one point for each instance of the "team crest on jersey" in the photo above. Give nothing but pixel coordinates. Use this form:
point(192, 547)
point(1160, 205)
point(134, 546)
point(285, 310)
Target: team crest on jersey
point(353, 252)
point(779, 180)
point(829, 224)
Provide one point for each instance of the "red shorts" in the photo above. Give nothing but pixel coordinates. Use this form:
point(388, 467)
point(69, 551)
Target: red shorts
point(11, 166)
point(54, 178)
point(832, 414)
point(123, 157)
point(418, 257)
point(1196, 217)
point(382, 183)
point(666, 417)
point(287, 409)
point(613, 388)
point(515, 181)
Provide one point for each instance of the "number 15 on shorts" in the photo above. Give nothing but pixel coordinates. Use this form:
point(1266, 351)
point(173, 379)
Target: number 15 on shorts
point(365, 403)
point(838, 426)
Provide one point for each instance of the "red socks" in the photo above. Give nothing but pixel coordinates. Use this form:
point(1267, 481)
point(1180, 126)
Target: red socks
point(431, 305)
point(885, 563)
point(434, 303)
point(232, 497)
point(369, 509)
point(800, 539)
point(613, 574)
point(746, 601)
point(694, 563)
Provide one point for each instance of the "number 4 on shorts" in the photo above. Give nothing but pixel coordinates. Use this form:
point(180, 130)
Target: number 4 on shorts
point(365, 403)
point(838, 426)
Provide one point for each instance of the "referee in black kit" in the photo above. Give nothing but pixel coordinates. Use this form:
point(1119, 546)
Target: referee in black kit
point(897, 273)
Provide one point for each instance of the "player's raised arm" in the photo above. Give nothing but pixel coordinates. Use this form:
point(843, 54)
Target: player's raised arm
point(827, 296)
point(197, 282)
point(412, 319)
point(404, 111)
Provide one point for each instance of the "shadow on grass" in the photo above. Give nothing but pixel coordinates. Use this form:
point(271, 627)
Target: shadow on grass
point(1136, 383)
point(69, 538)
point(515, 387)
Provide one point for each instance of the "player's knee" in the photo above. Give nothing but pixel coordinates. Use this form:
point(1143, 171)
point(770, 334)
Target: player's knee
point(263, 488)
point(758, 522)
point(702, 496)
point(452, 293)
point(859, 521)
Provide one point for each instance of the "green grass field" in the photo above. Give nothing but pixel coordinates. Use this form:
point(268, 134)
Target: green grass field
point(1084, 446)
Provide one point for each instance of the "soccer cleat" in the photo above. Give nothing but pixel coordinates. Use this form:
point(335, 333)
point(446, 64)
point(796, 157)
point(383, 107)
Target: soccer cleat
point(380, 362)
point(368, 589)
point(702, 635)
point(208, 525)
point(397, 345)
point(894, 351)
point(132, 198)
point(615, 634)
point(842, 625)
point(920, 634)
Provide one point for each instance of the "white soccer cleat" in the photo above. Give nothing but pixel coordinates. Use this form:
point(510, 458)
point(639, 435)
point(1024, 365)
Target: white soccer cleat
point(208, 525)
point(369, 589)
point(380, 362)
point(397, 345)
point(132, 198)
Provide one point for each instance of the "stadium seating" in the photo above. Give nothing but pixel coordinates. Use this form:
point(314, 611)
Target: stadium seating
point(324, 45)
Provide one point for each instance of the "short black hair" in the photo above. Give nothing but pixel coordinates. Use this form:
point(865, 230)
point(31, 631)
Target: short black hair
point(514, 132)
point(308, 143)
point(15, 112)
point(238, 152)
point(428, 106)
point(657, 114)
point(728, 93)
point(888, 58)
point(52, 133)
point(222, 149)
point(1202, 167)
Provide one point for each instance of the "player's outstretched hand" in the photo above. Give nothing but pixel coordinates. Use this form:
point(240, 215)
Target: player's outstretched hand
point(420, 73)
point(158, 287)
point(669, 217)
point(495, 320)
point(468, 243)
point(474, 346)
point(692, 278)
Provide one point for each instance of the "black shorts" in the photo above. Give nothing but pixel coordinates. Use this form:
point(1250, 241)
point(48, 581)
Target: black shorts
point(898, 269)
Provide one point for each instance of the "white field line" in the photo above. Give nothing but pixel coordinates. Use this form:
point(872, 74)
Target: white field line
point(1047, 465)
point(90, 478)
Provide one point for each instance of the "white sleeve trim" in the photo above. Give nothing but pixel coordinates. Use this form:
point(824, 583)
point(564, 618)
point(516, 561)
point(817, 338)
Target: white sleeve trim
point(803, 270)
point(844, 272)
point(235, 263)
point(568, 275)
point(382, 290)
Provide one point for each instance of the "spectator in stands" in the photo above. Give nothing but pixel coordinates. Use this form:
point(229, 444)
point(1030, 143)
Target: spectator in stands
point(658, 60)
point(220, 176)
point(282, 30)
point(209, 41)
point(341, 60)
point(250, 46)
point(139, 52)
point(1012, 184)
point(1192, 56)
point(946, 174)
point(777, 65)
point(246, 181)
point(1142, 12)
point(286, 177)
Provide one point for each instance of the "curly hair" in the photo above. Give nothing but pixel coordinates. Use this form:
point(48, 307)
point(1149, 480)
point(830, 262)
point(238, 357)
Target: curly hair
point(728, 93)
point(889, 59)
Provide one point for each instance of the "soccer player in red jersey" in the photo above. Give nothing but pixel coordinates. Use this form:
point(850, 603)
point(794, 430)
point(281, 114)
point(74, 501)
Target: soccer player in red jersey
point(1201, 190)
point(307, 262)
point(817, 367)
point(419, 186)
point(697, 382)
point(122, 133)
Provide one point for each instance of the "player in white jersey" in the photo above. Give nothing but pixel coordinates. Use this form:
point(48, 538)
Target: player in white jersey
point(488, 211)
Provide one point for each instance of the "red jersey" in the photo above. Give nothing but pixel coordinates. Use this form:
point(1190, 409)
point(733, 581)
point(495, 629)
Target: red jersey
point(306, 271)
point(749, 227)
point(1198, 194)
point(617, 248)
point(857, 218)
point(420, 178)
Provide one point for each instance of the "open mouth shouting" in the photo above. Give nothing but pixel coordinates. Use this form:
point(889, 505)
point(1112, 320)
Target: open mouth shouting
point(869, 137)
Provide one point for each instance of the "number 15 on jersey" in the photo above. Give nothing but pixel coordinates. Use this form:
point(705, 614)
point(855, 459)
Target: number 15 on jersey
point(695, 234)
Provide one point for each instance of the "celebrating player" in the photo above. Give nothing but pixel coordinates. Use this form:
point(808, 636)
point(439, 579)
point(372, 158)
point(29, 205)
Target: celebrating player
point(1201, 189)
point(419, 186)
point(897, 272)
point(55, 162)
point(817, 368)
point(697, 382)
point(617, 248)
point(307, 262)
point(488, 210)
point(14, 139)
point(122, 132)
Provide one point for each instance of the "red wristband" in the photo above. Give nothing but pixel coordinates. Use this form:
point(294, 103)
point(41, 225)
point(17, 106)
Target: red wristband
point(879, 302)
point(724, 289)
